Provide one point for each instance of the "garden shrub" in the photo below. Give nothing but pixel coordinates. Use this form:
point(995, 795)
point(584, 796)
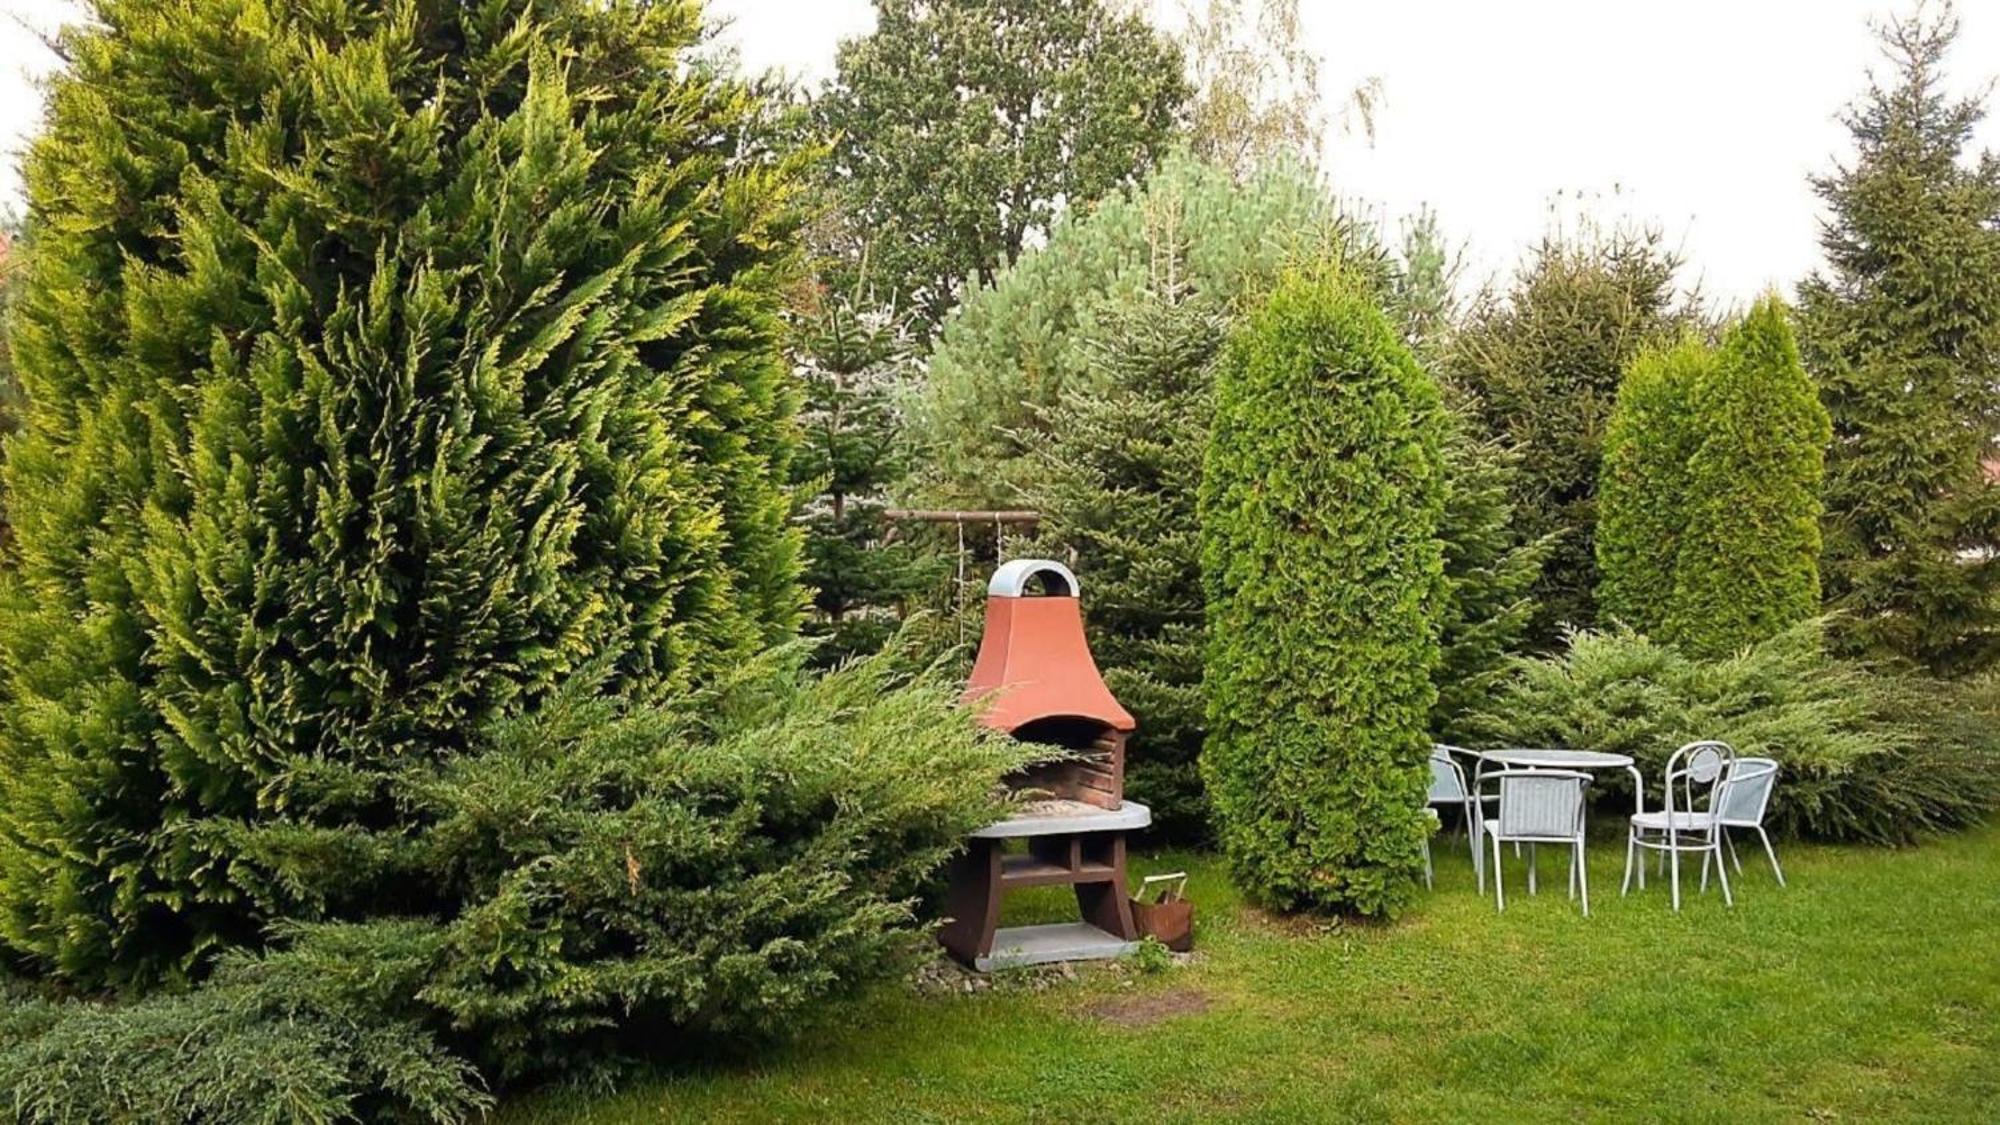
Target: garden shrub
point(1642, 492)
point(1320, 502)
point(1864, 757)
point(1747, 561)
point(385, 364)
point(319, 1033)
point(626, 882)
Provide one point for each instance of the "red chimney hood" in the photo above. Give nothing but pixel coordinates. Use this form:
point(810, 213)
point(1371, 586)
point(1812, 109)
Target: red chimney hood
point(1033, 660)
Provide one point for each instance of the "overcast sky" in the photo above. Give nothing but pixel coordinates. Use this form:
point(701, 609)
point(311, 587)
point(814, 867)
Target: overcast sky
point(1701, 117)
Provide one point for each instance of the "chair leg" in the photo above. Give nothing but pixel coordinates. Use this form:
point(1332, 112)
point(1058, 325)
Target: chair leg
point(1729, 842)
point(1429, 883)
point(1674, 863)
point(1704, 872)
point(1721, 871)
point(1582, 877)
point(1532, 864)
point(1773, 853)
point(1572, 878)
point(1499, 895)
point(1631, 846)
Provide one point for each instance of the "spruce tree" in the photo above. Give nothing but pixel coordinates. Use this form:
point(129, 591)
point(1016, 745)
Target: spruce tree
point(1747, 562)
point(1902, 330)
point(1642, 493)
point(1115, 475)
point(1541, 364)
point(855, 363)
point(1320, 501)
point(385, 363)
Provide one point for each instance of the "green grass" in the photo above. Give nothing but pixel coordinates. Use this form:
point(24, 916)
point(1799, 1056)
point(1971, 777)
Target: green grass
point(1867, 990)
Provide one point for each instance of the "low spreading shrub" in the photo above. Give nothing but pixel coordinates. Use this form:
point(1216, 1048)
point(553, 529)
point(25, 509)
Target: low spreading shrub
point(632, 881)
point(1864, 756)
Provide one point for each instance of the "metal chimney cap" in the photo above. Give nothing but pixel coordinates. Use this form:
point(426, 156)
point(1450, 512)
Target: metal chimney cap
point(1011, 580)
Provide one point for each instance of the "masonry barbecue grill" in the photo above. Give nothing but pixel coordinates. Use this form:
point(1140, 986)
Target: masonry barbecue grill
point(1035, 679)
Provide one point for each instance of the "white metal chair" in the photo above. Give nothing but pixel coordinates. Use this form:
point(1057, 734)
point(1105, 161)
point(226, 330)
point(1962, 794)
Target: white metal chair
point(1697, 787)
point(1744, 803)
point(1538, 807)
point(1449, 790)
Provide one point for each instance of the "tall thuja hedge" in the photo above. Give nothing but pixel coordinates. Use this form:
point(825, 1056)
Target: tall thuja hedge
point(1320, 502)
point(385, 362)
point(1747, 564)
point(1642, 490)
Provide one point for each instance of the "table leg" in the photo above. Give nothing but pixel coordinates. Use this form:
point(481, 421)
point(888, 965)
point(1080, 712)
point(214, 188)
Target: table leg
point(972, 904)
point(1638, 807)
point(1105, 905)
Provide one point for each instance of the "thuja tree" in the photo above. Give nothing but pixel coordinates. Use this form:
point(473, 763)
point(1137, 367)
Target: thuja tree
point(1903, 331)
point(1115, 475)
point(385, 363)
point(1320, 502)
point(1747, 562)
point(855, 364)
point(1642, 491)
point(1541, 362)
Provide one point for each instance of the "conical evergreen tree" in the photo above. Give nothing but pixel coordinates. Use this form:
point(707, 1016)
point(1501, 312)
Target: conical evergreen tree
point(1320, 501)
point(385, 363)
point(1114, 474)
point(855, 364)
point(1903, 332)
point(1642, 492)
point(1747, 564)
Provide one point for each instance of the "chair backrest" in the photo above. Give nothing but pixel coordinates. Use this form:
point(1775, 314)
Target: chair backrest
point(1447, 776)
point(1547, 803)
point(1748, 794)
point(1698, 777)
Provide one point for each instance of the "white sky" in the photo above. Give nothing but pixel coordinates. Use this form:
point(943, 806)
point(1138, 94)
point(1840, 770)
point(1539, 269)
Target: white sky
point(1702, 117)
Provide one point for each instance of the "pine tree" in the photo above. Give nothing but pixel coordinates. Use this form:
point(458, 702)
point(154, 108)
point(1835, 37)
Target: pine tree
point(1541, 364)
point(1642, 494)
point(1903, 332)
point(855, 364)
point(1320, 501)
point(1747, 564)
point(1115, 477)
point(385, 364)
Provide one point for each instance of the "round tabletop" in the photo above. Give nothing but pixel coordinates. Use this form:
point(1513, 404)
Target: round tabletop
point(1559, 759)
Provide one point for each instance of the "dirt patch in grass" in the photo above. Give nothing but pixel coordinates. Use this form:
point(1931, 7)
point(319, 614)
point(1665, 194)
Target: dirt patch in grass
point(1149, 1008)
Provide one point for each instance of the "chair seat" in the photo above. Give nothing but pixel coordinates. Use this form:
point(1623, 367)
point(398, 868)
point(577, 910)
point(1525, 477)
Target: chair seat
point(1683, 821)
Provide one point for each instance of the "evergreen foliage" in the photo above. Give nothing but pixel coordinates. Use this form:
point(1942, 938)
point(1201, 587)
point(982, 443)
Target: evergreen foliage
point(1012, 349)
point(963, 128)
point(623, 882)
point(1115, 474)
point(1642, 493)
point(1320, 501)
point(385, 364)
point(1748, 556)
point(855, 365)
point(1489, 571)
point(1903, 332)
point(1541, 364)
point(1864, 757)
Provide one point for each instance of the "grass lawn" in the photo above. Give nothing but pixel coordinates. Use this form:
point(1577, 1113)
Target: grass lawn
point(1867, 990)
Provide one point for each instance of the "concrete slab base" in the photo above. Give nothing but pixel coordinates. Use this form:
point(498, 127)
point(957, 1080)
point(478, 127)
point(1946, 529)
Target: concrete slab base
point(1016, 946)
